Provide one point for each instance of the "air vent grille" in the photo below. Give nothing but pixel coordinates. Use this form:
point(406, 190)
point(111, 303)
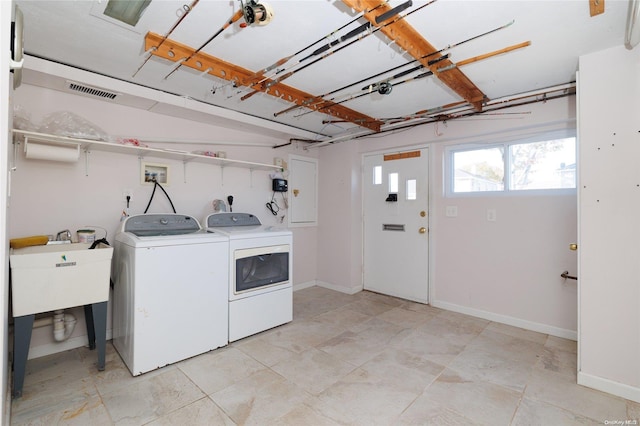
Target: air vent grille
point(91, 91)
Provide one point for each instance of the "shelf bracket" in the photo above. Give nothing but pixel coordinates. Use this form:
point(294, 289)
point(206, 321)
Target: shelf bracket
point(86, 161)
point(184, 171)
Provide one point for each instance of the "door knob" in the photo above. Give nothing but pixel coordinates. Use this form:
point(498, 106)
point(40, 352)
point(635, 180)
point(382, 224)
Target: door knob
point(423, 213)
point(573, 247)
point(296, 192)
point(422, 230)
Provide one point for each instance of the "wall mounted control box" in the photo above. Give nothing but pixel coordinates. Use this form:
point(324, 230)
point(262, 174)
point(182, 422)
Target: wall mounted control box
point(280, 185)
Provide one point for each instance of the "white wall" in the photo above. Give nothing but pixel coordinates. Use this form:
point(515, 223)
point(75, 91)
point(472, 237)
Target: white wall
point(609, 247)
point(48, 197)
point(508, 270)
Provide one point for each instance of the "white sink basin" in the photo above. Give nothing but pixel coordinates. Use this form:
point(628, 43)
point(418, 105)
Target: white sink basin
point(49, 277)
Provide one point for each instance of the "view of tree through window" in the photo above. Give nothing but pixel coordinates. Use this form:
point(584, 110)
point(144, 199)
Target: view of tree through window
point(547, 164)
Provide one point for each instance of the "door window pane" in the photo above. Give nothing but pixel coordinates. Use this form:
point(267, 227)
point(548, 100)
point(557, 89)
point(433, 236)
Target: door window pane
point(377, 175)
point(412, 192)
point(478, 170)
point(393, 183)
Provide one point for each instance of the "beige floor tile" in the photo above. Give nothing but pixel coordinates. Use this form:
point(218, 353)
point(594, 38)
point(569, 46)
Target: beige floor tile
point(358, 348)
point(481, 365)
point(405, 317)
point(313, 370)
point(302, 335)
point(260, 398)
point(633, 411)
point(370, 306)
point(424, 411)
point(304, 415)
point(507, 346)
point(536, 413)
point(403, 370)
point(52, 384)
point(482, 402)
point(520, 333)
point(218, 369)
point(88, 411)
point(363, 399)
point(261, 350)
point(150, 398)
point(437, 349)
point(558, 361)
point(562, 344)
point(458, 330)
point(343, 317)
point(563, 392)
point(203, 412)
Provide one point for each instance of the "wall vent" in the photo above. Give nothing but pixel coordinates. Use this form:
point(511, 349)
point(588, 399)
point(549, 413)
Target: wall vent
point(91, 91)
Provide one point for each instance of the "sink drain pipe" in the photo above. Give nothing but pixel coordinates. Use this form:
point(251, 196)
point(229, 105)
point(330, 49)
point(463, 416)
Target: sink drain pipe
point(63, 324)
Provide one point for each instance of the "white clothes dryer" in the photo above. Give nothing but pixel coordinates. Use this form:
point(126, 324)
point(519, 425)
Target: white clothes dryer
point(260, 268)
point(170, 290)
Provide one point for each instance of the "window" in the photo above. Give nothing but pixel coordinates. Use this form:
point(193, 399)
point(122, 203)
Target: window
point(547, 164)
point(393, 183)
point(412, 189)
point(377, 175)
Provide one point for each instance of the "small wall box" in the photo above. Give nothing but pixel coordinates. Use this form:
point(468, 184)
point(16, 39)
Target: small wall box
point(280, 185)
point(151, 172)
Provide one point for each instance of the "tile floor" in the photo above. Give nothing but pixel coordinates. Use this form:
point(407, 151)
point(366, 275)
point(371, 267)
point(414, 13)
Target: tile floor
point(365, 359)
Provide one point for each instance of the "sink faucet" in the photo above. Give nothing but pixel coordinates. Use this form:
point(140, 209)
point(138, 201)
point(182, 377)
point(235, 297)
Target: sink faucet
point(63, 235)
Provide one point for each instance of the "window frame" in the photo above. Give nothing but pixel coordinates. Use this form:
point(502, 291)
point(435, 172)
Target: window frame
point(449, 171)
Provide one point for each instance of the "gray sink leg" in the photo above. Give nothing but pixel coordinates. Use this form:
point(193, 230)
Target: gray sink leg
point(22, 327)
point(100, 328)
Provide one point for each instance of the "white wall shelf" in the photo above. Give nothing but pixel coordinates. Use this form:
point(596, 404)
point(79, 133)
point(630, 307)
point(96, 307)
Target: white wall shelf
point(87, 145)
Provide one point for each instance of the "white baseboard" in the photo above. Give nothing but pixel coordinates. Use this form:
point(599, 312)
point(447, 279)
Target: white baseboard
point(55, 347)
point(504, 319)
point(341, 289)
point(302, 286)
point(609, 386)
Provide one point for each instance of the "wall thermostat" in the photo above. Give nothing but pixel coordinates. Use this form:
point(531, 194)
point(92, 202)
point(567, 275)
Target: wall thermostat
point(280, 185)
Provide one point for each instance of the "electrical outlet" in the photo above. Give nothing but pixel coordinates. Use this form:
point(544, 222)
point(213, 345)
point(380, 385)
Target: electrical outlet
point(491, 215)
point(451, 211)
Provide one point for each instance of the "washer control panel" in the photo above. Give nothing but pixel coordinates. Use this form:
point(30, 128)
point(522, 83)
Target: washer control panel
point(147, 225)
point(221, 220)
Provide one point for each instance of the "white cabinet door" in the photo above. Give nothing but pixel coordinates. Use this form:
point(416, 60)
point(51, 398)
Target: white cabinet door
point(303, 191)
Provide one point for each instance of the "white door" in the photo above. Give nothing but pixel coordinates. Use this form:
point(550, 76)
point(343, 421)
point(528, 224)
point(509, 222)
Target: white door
point(396, 224)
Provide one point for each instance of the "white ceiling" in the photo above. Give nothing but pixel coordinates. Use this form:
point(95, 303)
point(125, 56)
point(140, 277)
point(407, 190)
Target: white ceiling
point(76, 33)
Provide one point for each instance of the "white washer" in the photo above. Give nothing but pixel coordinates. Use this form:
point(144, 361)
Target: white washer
point(170, 290)
point(260, 273)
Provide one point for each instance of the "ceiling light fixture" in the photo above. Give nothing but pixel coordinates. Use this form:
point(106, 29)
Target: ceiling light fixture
point(127, 11)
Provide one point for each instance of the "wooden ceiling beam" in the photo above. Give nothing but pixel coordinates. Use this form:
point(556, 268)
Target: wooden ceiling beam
point(406, 37)
point(175, 52)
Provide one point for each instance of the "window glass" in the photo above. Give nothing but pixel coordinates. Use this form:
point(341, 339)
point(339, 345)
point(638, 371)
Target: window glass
point(412, 193)
point(543, 165)
point(478, 170)
point(393, 183)
point(377, 175)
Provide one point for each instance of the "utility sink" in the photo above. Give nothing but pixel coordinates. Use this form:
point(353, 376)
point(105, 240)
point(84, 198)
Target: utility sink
point(49, 277)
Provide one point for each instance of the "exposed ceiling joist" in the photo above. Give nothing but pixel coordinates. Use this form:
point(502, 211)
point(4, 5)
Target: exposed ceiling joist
point(406, 37)
point(200, 61)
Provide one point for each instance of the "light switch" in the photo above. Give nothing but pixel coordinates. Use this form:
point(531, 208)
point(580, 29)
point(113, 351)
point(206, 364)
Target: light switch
point(491, 215)
point(451, 211)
